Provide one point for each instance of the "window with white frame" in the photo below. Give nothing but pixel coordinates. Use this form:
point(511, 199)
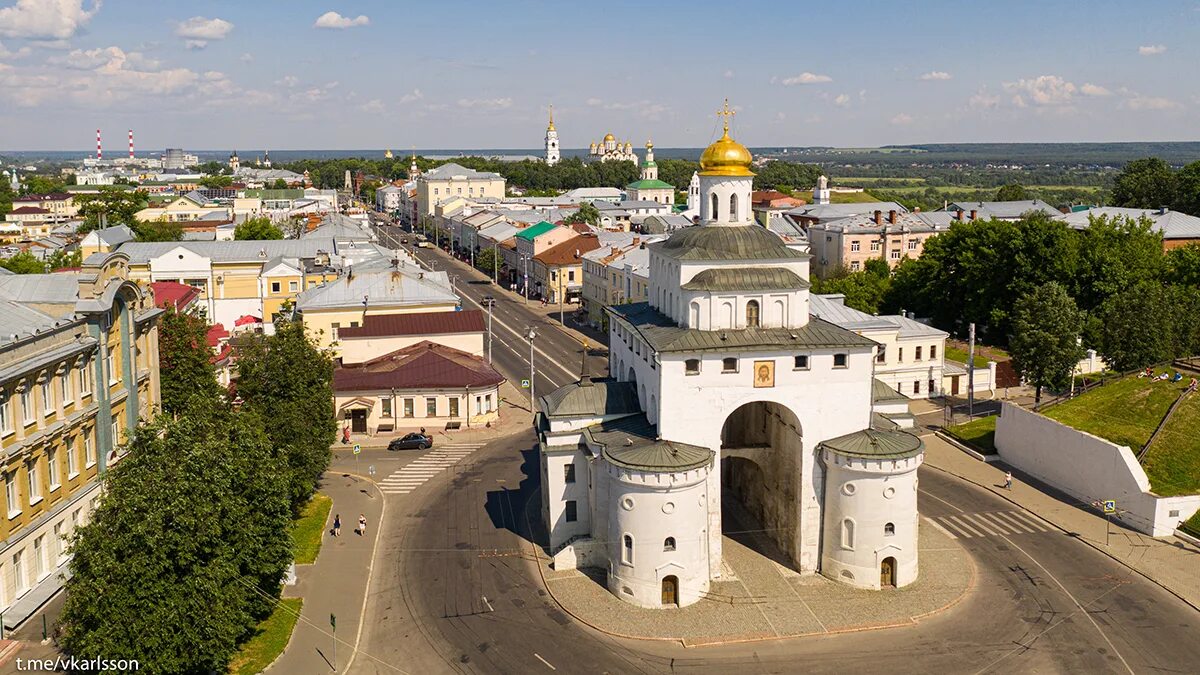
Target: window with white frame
point(839, 360)
point(27, 412)
point(855, 246)
point(59, 542)
point(20, 581)
point(89, 449)
point(691, 367)
point(35, 485)
point(12, 494)
point(385, 406)
point(39, 557)
point(47, 396)
point(109, 362)
point(848, 534)
point(5, 418)
point(729, 365)
point(64, 383)
point(293, 286)
point(85, 377)
point(52, 468)
point(912, 244)
point(895, 255)
point(800, 362)
point(874, 245)
point(72, 460)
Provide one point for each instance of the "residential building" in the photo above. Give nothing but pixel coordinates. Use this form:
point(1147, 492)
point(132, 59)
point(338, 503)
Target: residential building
point(388, 198)
point(1008, 210)
point(891, 236)
point(1177, 228)
point(189, 207)
point(535, 239)
point(770, 205)
point(453, 180)
point(591, 195)
point(385, 333)
point(105, 240)
point(78, 371)
point(812, 214)
point(558, 270)
point(59, 206)
point(616, 273)
point(664, 224)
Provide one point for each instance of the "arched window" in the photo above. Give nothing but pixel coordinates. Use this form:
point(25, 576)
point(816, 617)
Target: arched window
point(694, 318)
point(733, 206)
point(669, 544)
point(752, 320)
point(627, 551)
point(848, 534)
point(889, 529)
point(712, 214)
point(727, 310)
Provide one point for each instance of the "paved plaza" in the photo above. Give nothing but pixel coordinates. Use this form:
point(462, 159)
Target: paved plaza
point(761, 599)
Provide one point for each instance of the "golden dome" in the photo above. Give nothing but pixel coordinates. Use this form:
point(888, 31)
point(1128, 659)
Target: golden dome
point(726, 157)
point(609, 137)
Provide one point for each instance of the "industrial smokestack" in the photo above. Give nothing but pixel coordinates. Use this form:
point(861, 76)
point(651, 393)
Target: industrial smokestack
point(131, 144)
point(99, 152)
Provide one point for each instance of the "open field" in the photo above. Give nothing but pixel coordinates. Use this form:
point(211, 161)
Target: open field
point(270, 638)
point(1173, 461)
point(980, 433)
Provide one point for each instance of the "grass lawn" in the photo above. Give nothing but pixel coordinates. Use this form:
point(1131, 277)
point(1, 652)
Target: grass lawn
point(269, 639)
point(980, 434)
point(308, 529)
point(960, 355)
point(1173, 461)
point(1193, 526)
point(851, 197)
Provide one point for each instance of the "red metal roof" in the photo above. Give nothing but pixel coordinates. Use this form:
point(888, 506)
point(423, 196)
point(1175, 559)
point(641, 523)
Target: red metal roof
point(216, 334)
point(425, 365)
point(246, 319)
point(570, 251)
point(49, 197)
point(28, 209)
point(420, 323)
point(173, 294)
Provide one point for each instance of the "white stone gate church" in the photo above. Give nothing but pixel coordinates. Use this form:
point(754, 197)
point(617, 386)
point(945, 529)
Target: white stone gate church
point(724, 386)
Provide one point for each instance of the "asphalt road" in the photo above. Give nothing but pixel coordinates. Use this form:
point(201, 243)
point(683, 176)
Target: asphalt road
point(456, 591)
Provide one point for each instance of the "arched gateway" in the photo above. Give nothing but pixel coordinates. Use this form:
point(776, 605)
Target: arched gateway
point(728, 393)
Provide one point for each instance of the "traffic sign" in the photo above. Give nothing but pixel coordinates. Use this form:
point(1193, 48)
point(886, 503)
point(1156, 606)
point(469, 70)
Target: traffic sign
point(1110, 506)
point(357, 449)
point(525, 384)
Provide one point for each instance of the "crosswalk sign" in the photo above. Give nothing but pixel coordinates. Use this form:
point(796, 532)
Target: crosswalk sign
point(1110, 506)
point(524, 384)
point(357, 449)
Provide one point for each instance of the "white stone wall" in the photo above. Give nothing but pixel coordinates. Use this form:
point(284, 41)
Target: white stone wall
point(649, 508)
point(557, 492)
point(862, 498)
point(1088, 468)
point(726, 188)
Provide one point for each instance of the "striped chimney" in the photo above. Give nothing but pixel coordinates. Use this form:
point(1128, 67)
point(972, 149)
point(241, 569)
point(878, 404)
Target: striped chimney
point(131, 144)
point(99, 152)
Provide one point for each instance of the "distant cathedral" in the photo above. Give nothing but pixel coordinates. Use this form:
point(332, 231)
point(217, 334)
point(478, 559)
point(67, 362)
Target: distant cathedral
point(612, 150)
point(552, 155)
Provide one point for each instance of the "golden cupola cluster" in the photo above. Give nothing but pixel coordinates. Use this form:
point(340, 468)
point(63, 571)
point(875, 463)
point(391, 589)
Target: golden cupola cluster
point(726, 157)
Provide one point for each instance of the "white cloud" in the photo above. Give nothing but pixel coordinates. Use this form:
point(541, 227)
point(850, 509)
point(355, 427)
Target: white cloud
point(936, 75)
point(982, 100)
point(1151, 50)
point(729, 74)
point(1041, 90)
point(1089, 89)
point(246, 57)
point(1141, 103)
point(199, 31)
point(486, 103)
point(46, 19)
point(412, 97)
point(335, 20)
point(805, 78)
point(372, 106)
point(6, 53)
point(593, 101)
point(902, 118)
point(288, 81)
point(842, 100)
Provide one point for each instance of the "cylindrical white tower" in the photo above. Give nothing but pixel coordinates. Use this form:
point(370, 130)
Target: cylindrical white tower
point(552, 153)
point(726, 180)
point(871, 521)
point(658, 526)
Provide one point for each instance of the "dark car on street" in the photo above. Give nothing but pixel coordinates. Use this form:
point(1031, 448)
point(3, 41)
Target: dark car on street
point(411, 442)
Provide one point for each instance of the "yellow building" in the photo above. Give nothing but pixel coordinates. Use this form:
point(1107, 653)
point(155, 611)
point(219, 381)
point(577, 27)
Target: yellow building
point(184, 209)
point(452, 180)
point(78, 369)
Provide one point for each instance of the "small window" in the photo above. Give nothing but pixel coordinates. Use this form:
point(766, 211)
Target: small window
point(932, 352)
point(293, 286)
point(569, 473)
point(729, 365)
point(431, 407)
point(912, 244)
point(900, 355)
point(855, 266)
point(275, 286)
point(918, 355)
point(848, 534)
point(895, 255)
point(839, 360)
point(691, 367)
point(855, 246)
point(752, 314)
point(881, 355)
point(889, 529)
point(408, 407)
point(453, 401)
point(627, 550)
point(669, 544)
point(930, 389)
point(800, 362)
point(916, 386)
point(385, 406)
point(571, 514)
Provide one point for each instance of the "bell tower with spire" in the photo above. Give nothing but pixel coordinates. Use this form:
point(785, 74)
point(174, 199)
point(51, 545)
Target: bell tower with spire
point(552, 155)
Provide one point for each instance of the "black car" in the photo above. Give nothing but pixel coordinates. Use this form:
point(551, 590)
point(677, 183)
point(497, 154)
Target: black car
point(411, 442)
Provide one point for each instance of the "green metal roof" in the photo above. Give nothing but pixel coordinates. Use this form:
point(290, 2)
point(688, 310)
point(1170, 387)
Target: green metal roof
point(268, 193)
point(663, 335)
point(599, 397)
point(535, 230)
point(654, 184)
point(745, 279)
point(882, 392)
point(633, 443)
point(731, 242)
point(876, 444)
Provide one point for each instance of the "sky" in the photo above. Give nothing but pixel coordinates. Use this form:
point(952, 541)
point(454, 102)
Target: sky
point(452, 74)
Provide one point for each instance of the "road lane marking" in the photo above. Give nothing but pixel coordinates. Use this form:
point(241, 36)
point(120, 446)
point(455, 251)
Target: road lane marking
point(570, 373)
point(1013, 521)
point(539, 658)
point(985, 524)
point(1033, 521)
point(939, 528)
point(963, 526)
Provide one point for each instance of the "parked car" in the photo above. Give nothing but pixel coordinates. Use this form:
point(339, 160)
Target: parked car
point(411, 442)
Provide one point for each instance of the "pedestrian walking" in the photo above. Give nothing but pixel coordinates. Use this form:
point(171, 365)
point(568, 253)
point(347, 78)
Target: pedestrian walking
point(337, 525)
point(1007, 480)
point(362, 525)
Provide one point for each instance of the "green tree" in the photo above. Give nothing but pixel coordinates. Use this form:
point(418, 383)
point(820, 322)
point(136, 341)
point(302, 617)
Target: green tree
point(488, 261)
point(1045, 339)
point(1115, 254)
point(186, 549)
point(6, 195)
point(183, 352)
point(1013, 192)
point(279, 184)
point(587, 213)
point(60, 259)
point(1148, 323)
point(111, 206)
point(286, 379)
point(24, 263)
point(257, 229)
point(1187, 190)
point(40, 185)
point(212, 168)
point(1145, 183)
point(218, 181)
point(863, 290)
point(1183, 265)
point(158, 230)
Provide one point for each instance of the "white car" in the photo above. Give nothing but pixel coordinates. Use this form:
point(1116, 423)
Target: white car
point(425, 244)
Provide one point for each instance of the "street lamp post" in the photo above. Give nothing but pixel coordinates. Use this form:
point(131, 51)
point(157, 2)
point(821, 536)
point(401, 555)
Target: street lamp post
point(490, 305)
point(467, 404)
point(495, 264)
point(531, 334)
point(525, 261)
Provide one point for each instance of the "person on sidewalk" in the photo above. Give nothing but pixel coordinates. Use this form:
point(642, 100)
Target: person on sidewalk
point(362, 525)
point(337, 525)
point(1007, 480)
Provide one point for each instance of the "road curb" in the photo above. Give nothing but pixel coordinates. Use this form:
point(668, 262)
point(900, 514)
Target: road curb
point(1064, 530)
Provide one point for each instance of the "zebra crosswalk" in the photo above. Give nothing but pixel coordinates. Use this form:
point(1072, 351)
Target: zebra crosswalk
point(989, 524)
point(416, 473)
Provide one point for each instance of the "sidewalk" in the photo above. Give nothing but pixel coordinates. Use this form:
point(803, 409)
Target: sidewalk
point(1169, 561)
point(336, 583)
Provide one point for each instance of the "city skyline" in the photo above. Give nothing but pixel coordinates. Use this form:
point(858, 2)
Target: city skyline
point(217, 75)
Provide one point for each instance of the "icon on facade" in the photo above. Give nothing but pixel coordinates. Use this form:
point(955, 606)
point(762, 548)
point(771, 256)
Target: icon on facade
point(764, 373)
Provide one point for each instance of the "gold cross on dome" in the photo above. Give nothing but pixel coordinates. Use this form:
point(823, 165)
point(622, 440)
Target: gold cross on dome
point(726, 113)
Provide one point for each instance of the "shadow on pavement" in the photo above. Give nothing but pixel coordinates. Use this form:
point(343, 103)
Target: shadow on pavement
point(507, 507)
